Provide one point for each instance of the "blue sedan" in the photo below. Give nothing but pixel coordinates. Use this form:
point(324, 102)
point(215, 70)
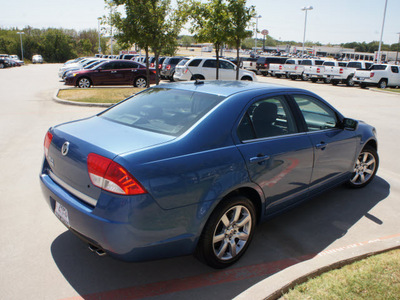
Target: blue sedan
point(193, 167)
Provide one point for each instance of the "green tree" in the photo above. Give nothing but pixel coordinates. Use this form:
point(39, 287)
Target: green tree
point(210, 23)
point(187, 41)
point(239, 16)
point(151, 24)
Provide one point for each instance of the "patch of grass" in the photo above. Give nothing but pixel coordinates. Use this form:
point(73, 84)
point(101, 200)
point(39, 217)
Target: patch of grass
point(393, 90)
point(97, 95)
point(376, 277)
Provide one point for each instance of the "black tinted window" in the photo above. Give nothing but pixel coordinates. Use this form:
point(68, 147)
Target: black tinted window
point(395, 69)
point(266, 118)
point(194, 62)
point(210, 63)
point(165, 111)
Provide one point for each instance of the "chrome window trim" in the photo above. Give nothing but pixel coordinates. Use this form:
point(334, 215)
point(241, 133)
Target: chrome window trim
point(85, 198)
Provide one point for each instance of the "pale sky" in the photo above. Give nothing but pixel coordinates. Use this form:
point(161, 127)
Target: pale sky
point(331, 21)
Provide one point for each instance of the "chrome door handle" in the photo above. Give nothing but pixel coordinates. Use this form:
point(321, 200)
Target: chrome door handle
point(260, 159)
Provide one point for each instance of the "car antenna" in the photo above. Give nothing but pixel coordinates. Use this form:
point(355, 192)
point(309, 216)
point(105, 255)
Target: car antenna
point(197, 81)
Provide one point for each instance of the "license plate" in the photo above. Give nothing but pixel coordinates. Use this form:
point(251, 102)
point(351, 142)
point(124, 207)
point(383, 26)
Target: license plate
point(62, 213)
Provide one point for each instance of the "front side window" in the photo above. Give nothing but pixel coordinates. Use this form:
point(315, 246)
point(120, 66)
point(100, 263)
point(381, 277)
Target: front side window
point(317, 115)
point(226, 65)
point(267, 118)
point(195, 63)
point(166, 111)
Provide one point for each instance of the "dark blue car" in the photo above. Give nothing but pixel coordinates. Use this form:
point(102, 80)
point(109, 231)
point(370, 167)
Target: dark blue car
point(193, 167)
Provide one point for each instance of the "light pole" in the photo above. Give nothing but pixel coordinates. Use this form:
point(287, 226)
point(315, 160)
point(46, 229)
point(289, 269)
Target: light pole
point(98, 26)
point(305, 8)
point(398, 46)
point(380, 42)
point(22, 48)
point(255, 41)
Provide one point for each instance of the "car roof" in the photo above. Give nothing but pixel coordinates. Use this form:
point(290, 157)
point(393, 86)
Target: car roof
point(226, 88)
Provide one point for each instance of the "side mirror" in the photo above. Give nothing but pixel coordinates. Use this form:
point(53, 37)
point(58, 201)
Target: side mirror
point(349, 124)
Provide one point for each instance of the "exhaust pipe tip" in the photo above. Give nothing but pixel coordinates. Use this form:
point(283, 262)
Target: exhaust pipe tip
point(98, 251)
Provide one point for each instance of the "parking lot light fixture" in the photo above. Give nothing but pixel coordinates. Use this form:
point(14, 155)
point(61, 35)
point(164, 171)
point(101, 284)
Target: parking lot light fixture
point(398, 46)
point(305, 8)
point(255, 41)
point(22, 48)
point(98, 26)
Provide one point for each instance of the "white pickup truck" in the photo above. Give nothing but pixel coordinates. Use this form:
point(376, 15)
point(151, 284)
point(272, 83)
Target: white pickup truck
point(323, 72)
point(345, 74)
point(289, 67)
point(381, 76)
point(303, 67)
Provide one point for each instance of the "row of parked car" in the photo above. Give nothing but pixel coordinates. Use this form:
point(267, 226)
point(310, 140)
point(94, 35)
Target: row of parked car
point(364, 73)
point(85, 72)
point(7, 61)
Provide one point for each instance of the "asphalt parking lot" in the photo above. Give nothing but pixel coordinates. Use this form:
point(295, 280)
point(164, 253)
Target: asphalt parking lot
point(40, 259)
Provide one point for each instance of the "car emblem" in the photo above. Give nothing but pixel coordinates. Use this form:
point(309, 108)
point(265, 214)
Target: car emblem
point(65, 148)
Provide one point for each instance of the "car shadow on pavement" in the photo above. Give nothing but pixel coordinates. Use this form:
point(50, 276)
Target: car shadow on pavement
point(285, 240)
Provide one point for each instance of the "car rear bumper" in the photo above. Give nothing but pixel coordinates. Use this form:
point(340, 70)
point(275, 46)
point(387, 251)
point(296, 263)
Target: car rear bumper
point(131, 228)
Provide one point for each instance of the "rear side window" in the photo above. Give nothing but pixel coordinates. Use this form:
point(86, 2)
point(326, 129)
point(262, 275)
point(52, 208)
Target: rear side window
point(174, 61)
point(395, 69)
point(195, 63)
point(306, 63)
point(329, 63)
point(266, 118)
point(317, 115)
point(166, 111)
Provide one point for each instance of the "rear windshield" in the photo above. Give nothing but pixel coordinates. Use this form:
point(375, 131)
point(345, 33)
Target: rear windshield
point(162, 110)
point(378, 67)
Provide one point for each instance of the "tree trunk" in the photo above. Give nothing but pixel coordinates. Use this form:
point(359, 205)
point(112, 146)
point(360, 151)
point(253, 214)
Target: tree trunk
point(147, 67)
point(237, 59)
point(217, 55)
point(157, 55)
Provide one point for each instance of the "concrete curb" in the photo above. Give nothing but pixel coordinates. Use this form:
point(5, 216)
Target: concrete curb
point(87, 104)
point(274, 286)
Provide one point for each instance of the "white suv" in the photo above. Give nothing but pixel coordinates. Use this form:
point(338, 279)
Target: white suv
point(205, 68)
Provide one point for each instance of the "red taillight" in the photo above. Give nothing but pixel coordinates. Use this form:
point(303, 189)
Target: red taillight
point(185, 71)
point(318, 70)
point(168, 67)
point(159, 66)
point(152, 65)
point(340, 71)
point(280, 67)
point(251, 64)
point(110, 176)
point(266, 65)
point(47, 142)
point(372, 74)
point(295, 67)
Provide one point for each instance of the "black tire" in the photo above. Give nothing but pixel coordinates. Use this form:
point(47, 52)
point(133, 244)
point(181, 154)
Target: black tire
point(304, 77)
point(314, 80)
point(365, 168)
point(171, 78)
point(293, 77)
point(278, 75)
point(218, 237)
point(350, 81)
point(363, 85)
point(382, 84)
point(264, 73)
point(334, 82)
point(327, 80)
point(140, 82)
point(84, 83)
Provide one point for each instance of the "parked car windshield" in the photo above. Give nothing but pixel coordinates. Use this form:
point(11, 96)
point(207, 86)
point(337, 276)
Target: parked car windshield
point(163, 110)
